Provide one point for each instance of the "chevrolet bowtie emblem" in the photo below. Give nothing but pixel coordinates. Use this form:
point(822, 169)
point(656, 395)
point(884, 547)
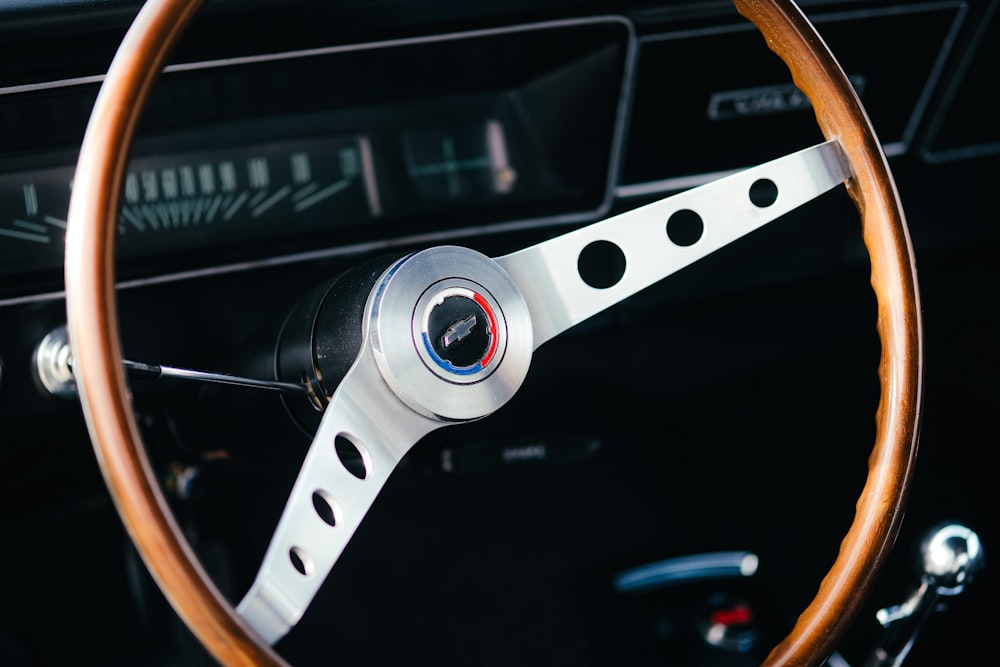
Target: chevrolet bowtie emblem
point(458, 331)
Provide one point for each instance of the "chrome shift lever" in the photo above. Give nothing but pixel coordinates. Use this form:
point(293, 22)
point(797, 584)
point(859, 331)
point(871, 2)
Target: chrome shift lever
point(950, 556)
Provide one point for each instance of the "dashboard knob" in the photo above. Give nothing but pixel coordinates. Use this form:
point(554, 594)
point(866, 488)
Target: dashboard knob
point(950, 556)
point(52, 363)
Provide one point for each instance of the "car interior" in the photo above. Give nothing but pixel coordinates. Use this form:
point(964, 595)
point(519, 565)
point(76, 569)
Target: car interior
point(681, 469)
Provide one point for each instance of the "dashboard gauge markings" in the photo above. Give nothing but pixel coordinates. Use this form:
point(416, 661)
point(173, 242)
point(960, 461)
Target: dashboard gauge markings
point(305, 192)
point(199, 208)
point(160, 215)
point(175, 201)
point(216, 203)
point(150, 215)
point(235, 206)
point(271, 201)
point(206, 178)
point(31, 226)
point(173, 214)
point(135, 220)
point(301, 169)
point(187, 211)
point(30, 199)
point(227, 176)
point(24, 236)
point(188, 185)
point(323, 194)
point(258, 173)
point(170, 183)
point(257, 197)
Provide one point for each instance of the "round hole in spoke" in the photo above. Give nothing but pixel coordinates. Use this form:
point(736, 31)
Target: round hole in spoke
point(685, 228)
point(763, 193)
point(325, 507)
point(351, 456)
point(601, 264)
point(300, 561)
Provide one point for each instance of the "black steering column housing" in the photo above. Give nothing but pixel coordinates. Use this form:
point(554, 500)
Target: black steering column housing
point(321, 337)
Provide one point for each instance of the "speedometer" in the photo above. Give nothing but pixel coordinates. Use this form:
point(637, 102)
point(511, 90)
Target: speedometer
point(201, 199)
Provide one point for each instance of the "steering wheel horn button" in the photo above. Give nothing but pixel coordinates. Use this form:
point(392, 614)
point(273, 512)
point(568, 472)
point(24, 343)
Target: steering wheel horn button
point(451, 333)
point(459, 332)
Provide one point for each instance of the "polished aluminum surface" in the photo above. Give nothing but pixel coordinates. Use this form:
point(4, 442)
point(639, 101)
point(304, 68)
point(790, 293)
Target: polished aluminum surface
point(383, 429)
point(397, 312)
point(558, 298)
point(952, 555)
point(53, 364)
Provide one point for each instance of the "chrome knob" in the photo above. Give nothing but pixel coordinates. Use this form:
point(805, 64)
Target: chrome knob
point(950, 556)
point(53, 364)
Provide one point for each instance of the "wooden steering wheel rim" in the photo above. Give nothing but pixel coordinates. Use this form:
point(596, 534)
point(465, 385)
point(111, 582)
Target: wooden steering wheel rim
point(93, 329)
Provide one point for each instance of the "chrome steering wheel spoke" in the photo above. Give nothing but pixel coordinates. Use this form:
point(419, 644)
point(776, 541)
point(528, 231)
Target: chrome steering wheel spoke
point(364, 433)
point(719, 212)
point(436, 348)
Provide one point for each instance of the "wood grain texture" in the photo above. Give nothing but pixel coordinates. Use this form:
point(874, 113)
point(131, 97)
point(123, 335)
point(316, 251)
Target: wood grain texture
point(93, 325)
point(93, 329)
point(879, 511)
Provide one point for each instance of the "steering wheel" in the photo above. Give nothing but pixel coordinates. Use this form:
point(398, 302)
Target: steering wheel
point(414, 370)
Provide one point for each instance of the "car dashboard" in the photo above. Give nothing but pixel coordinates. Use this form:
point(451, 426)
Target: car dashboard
point(725, 413)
